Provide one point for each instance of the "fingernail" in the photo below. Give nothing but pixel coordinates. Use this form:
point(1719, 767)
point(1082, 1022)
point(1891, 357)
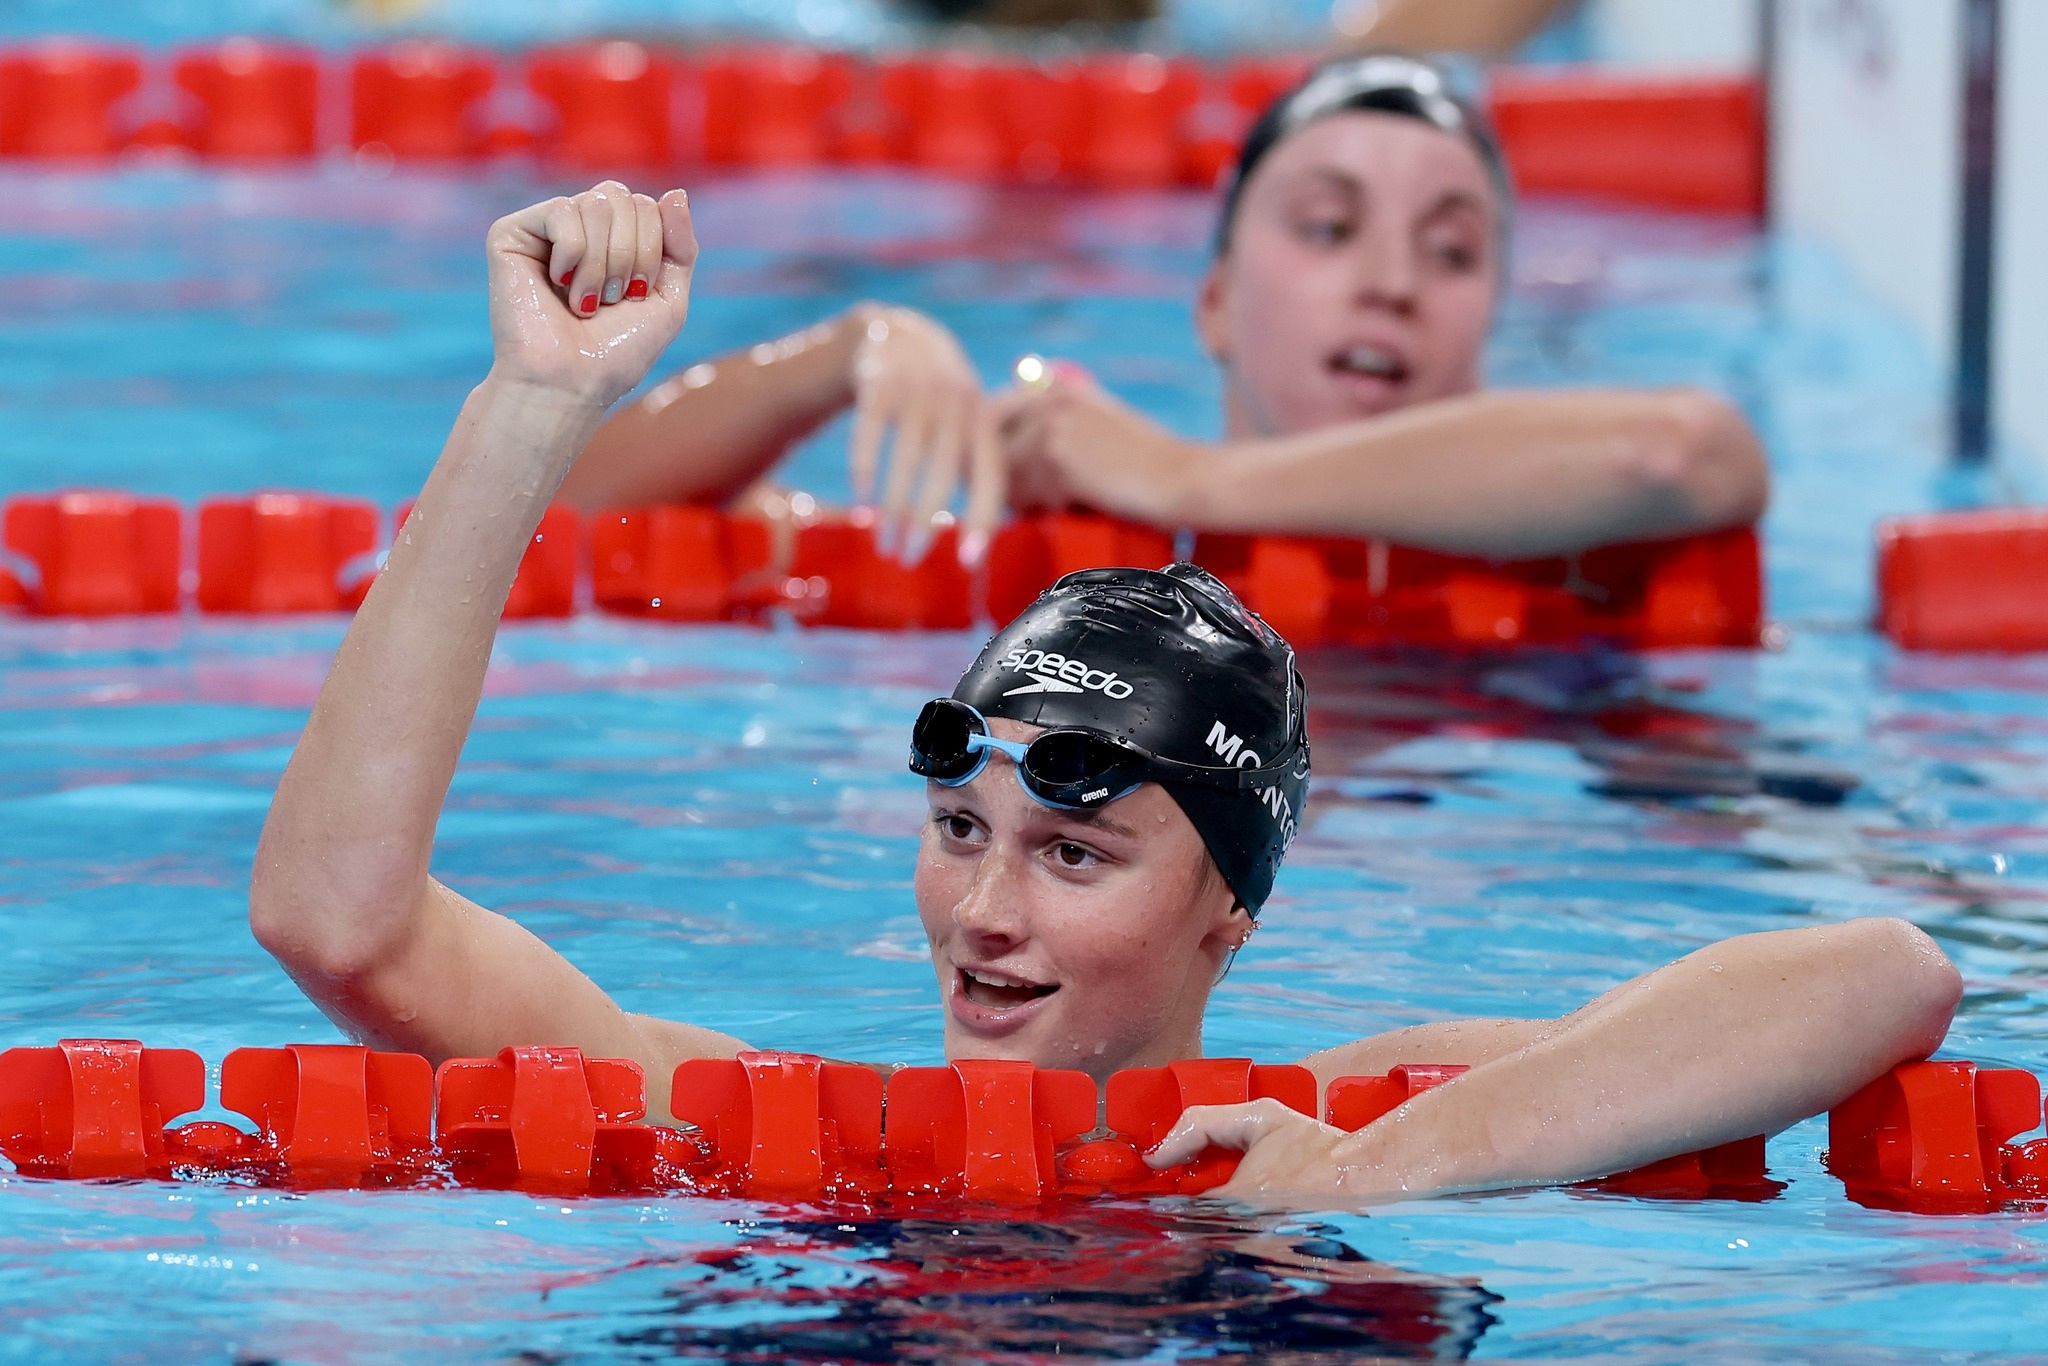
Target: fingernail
point(972, 547)
point(567, 276)
point(614, 290)
point(589, 304)
point(638, 289)
point(914, 547)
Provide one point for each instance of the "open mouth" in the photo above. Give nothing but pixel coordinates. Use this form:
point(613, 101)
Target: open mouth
point(1369, 362)
point(995, 991)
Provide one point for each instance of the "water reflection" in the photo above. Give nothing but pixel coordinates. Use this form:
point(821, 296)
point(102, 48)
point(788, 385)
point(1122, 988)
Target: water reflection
point(1094, 1281)
point(1645, 738)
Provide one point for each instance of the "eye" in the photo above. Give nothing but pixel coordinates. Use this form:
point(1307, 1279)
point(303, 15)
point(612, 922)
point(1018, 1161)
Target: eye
point(1323, 230)
point(1072, 855)
point(1455, 251)
point(956, 827)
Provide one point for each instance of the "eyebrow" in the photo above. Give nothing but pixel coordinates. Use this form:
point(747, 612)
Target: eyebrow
point(1102, 820)
point(1456, 199)
point(1334, 178)
point(1099, 818)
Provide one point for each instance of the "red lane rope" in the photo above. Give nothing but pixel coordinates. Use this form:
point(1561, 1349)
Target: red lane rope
point(100, 554)
point(783, 1126)
point(1117, 120)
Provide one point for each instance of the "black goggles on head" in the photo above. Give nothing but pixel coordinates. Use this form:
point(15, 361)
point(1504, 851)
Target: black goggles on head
point(1067, 768)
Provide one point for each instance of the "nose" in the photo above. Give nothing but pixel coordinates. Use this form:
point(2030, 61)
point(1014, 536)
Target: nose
point(990, 913)
point(1387, 273)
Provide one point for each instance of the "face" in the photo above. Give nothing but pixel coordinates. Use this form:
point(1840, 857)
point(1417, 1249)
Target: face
point(1070, 939)
point(1360, 275)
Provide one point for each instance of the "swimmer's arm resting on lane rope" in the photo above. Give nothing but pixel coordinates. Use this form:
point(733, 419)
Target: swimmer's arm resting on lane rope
point(1743, 1037)
point(1501, 474)
point(709, 433)
point(341, 892)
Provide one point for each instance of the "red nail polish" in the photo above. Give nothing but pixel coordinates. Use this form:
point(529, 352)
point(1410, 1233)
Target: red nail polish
point(567, 276)
point(589, 304)
point(637, 290)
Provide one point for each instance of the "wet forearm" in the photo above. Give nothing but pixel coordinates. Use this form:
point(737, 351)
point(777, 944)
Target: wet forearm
point(707, 433)
point(344, 853)
point(1742, 1038)
point(1497, 474)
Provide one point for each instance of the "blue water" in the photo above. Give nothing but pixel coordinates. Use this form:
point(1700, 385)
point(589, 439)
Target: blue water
point(714, 823)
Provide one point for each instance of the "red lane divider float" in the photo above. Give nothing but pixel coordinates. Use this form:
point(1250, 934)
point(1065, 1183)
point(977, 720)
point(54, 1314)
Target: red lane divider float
point(1935, 1137)
point(781, 1125)
point(421, 101)
point(257, 101)
point(780, 106)
point(1973, 580)
point(95, 1107)
point(1674, 143)
point(285, 552)
point(1111, 119)
point(92, 554)
point(551, 1120)
point(610, 103)
point(58, 99)
point(335, 1112)
point(1930, 1137)
point(1700, 591)
point(99, 554)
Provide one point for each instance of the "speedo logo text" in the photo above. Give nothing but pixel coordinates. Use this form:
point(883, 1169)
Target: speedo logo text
point(1056, 673)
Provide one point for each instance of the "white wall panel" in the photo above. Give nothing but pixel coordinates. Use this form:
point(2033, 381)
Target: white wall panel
point(1676, 35)
point(2019, 282)
point(1865, 145)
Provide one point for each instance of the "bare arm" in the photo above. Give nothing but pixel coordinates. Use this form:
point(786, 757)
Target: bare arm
point(706, 434)
point(709, 433)
point(1744, 1037)
point(341, 892)
point(1490, 28)
point(1501, 474)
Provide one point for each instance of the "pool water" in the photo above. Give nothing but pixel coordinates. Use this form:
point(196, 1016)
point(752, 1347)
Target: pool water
point(715, 824)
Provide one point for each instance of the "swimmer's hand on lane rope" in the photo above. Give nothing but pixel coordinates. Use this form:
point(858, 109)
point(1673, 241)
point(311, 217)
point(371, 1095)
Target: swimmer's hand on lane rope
point(1067, 442)
point(588, 290)
point(915, 389)
point(1290, 1160)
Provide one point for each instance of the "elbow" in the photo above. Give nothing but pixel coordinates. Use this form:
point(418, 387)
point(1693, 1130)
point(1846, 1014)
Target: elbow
point(1696, 459)
point(1916, 979)
point(287, 927)
point(313, 937)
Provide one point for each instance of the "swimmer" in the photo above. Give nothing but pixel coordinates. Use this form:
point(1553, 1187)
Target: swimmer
point(1112, 786)
point(1359, 260)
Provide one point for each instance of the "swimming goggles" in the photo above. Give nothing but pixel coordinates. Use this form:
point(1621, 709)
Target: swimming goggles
point(1065, 768)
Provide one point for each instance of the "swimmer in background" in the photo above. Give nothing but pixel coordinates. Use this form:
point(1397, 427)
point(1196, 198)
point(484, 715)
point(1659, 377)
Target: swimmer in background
point(1360, 257)
point(1112, 787)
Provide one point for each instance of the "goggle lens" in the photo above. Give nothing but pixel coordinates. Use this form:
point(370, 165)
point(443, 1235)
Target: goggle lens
point(1067, 762)
point(938, 742)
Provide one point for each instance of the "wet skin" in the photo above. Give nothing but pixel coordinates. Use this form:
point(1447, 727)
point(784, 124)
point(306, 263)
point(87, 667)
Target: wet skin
point(1360, 277)
point(1070, 939)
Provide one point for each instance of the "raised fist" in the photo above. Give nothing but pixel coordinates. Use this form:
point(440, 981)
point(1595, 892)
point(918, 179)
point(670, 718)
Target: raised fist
point(587, 291)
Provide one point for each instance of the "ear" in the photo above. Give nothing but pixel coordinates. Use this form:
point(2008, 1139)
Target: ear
point(1211, 321)
point(1230, 924)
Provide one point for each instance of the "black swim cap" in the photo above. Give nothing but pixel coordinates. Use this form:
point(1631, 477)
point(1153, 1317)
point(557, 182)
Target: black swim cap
point(1170, 661)
point(1382, 82)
